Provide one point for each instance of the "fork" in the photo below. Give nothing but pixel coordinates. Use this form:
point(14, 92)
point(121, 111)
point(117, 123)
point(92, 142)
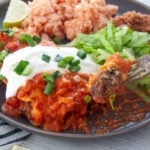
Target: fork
point(140, 69)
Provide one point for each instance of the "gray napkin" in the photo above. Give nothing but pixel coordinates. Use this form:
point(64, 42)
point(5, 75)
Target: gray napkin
point(10, 135)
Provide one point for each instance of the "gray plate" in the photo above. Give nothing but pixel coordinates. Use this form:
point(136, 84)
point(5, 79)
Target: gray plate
point(24, 124)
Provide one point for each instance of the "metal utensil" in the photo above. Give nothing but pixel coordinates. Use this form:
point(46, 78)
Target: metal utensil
point(140, 69)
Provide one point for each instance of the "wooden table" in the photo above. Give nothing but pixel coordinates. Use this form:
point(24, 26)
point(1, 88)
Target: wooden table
point(136, 140)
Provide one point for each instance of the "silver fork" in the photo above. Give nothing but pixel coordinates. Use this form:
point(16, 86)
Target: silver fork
point(140, 69)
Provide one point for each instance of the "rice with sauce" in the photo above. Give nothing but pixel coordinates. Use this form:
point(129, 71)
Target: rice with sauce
point(67, 18)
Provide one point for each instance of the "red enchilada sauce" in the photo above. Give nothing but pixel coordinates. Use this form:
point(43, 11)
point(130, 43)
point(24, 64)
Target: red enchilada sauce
point(62, 109)
point(11, 43)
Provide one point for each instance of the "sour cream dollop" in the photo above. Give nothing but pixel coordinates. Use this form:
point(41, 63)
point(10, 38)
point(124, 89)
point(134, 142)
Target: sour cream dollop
point(34, 56)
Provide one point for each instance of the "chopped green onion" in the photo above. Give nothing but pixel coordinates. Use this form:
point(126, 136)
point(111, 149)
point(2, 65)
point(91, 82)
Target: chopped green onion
point(3, 54)
point(57, 40)
point(74, 68)
point(8, 31)
point(81, 54)
point(27, 71)
point(111, 100)
point(56, 74)
point(50, 81)
point(1, 44)
point(87, 99)
point(1, 77)
point(68, 59)
point(48, 78)
point(51, 78)
point(27, 38)
point(75, 62)
point(37, 39)
point(49, 88)
point(21, 66)
point(58, 58)
point(62, 64)
point(77, 78)
point(46, 58)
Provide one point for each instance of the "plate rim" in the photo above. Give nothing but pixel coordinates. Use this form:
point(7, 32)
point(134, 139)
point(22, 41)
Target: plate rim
point(39, 131)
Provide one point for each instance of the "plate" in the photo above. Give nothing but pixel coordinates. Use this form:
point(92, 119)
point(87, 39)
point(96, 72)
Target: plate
point(24, 124)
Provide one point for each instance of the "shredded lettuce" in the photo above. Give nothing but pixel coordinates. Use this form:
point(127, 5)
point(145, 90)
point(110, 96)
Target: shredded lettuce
point(109, 40)
point(141, 88)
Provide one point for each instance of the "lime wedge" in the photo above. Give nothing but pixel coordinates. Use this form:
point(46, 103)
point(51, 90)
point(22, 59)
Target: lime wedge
point(16, 147)
point(16, 13)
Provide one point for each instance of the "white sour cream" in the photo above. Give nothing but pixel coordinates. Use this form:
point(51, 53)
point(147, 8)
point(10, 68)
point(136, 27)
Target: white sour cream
point(34, 56)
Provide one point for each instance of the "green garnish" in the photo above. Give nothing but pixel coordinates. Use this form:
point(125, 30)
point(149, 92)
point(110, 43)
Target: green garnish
point(56, 74)
point(81, 54)
point(48, 78)
point(111, 100)
point(49, 88)
point(21, 67)
point(100, 56)
point(75, 62)
point(10, 32)
point(3, 54)
point(87, 99)
point(1, 77)
point(58, 58)
point(37, 39)
point(74, 68)
point(1, 44)
point(46, 58)
point(50, 81)
point(68, 59)
point(62, 64)
point(27, 39)
point(77, 78)
point(27, 71)
point(57, 40)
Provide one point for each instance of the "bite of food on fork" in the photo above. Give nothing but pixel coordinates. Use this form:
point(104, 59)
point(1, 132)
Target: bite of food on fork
point(117, 74)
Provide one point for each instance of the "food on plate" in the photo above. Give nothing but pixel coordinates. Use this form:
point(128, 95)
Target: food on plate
point(109, 40)
point(134, 20)
point(9, 41)
point(52, 110)
point(60, 58)
point(54, 98)
point(81, 85)
point(16, 13)
point(110, 78)
point(65, 19)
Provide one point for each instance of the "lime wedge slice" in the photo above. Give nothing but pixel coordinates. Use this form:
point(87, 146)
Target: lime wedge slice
point(16, 13)
point(16, 147)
